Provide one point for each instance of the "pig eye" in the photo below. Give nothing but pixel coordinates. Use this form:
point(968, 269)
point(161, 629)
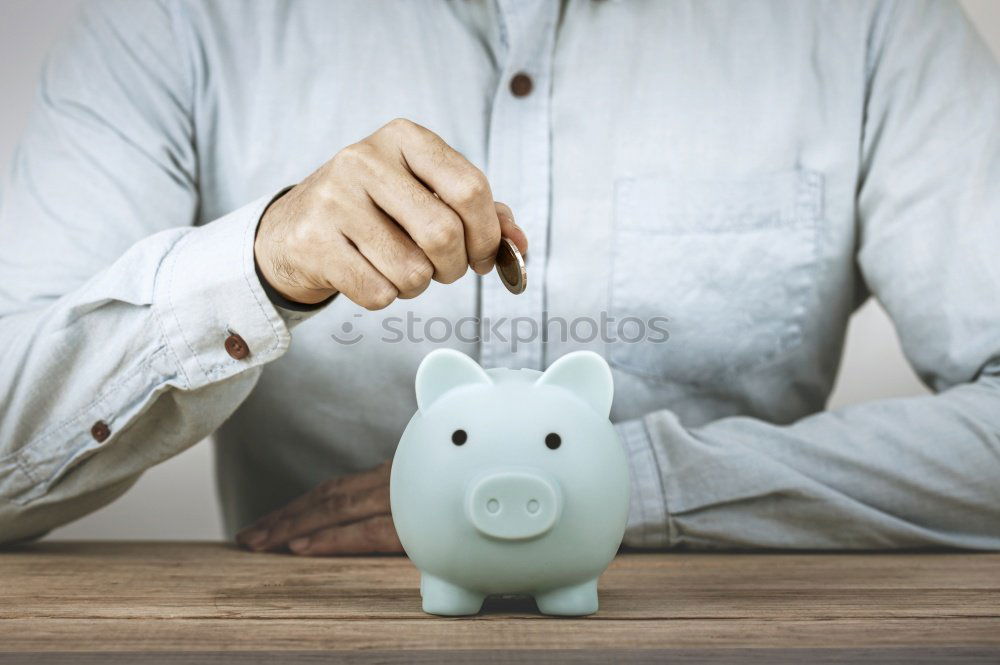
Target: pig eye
point(458, 437)
point(553, 441)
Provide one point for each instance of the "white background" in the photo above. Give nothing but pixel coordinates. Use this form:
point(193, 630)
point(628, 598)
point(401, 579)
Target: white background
point(176, 500)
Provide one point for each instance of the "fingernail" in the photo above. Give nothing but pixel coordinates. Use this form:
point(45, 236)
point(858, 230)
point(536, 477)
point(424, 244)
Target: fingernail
point(256, 539)
point(299, 544)
point(483, 266)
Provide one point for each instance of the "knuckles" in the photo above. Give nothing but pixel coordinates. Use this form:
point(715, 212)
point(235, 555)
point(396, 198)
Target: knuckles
point(417, 278)
point(306, 235)
point(472, 189)
point(360, 155)
point(368, 292)
point(442, 237)
point(399, 126)
point(378, 297)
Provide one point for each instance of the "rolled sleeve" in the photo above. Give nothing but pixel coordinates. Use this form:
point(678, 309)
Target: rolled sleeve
point(30, 472)
point(648, 520)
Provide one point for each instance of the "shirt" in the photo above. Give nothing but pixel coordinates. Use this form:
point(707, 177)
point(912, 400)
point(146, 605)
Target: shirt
point(710, 187)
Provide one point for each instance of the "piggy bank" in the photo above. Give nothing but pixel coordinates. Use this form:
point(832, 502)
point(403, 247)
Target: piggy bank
point(510, 482)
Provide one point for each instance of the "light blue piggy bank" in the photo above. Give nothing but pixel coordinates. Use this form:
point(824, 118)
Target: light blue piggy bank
point(510, 481)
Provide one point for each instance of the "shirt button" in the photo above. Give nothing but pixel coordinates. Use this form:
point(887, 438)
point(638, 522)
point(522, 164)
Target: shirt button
point(521, 85)
point(100, 431)
point(236, 347)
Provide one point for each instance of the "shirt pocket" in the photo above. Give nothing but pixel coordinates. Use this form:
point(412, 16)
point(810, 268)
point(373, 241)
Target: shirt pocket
point(726, 267)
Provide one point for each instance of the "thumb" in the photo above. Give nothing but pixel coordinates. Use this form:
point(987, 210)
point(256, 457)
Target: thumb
point(510, 229)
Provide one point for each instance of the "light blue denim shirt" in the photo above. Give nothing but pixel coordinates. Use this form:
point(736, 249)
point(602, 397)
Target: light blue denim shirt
point(718, 184)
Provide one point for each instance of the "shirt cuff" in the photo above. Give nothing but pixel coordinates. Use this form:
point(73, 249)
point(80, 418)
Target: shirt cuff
point(216, 318)
point(648, 517)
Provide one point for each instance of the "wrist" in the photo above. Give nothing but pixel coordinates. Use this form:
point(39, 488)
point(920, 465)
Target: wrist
point(280, 300)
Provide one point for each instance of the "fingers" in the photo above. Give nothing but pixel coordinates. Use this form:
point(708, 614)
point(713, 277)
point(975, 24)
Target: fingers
point(258, 536)
point(458, 183)
point(376, 534)
point(359, 280)
point(339, 508)
point(394, 254)
point(337, 501)
point(436, 230)
point(355, 482)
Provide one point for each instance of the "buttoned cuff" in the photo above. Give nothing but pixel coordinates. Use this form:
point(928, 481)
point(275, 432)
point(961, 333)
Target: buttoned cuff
point(648, 517)
point(217, 320)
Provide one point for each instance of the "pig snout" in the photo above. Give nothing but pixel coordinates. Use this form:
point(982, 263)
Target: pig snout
point(513, 505)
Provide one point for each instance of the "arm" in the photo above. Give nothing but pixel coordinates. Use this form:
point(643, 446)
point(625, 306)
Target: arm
point(114, 309)
point(921, 471)
point(117, 316)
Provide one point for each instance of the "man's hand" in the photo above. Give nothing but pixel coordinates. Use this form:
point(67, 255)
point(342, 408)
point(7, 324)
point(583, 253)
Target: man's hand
point(347, 515)
point(381, 219)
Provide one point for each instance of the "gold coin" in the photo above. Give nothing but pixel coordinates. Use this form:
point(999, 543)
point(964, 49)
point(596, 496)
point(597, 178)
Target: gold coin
point(510, 267)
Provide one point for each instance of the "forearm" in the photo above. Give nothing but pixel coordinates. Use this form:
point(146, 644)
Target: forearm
point(907, 472)
point(172, 422)
point(130, 368)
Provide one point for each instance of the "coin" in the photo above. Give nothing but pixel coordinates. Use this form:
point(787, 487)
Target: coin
point(510, 267)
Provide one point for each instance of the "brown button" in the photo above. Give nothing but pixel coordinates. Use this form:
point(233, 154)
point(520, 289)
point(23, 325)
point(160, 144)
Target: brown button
point(236, 347)
point(521, 85)
point(100, 431)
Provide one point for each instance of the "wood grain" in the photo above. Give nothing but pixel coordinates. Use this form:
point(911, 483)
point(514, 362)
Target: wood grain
point(138, 597)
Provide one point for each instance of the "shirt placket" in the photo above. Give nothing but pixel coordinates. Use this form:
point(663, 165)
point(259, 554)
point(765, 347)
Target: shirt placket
point(519, 171)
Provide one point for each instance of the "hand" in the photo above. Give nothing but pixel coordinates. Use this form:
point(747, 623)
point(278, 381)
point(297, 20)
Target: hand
point(345, 515)
point(381, 219)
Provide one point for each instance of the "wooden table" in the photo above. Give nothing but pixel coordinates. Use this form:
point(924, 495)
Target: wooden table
point(176, 602)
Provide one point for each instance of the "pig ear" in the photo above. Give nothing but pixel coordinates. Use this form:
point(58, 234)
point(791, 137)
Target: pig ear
point(442, 370)
point(585, 374)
